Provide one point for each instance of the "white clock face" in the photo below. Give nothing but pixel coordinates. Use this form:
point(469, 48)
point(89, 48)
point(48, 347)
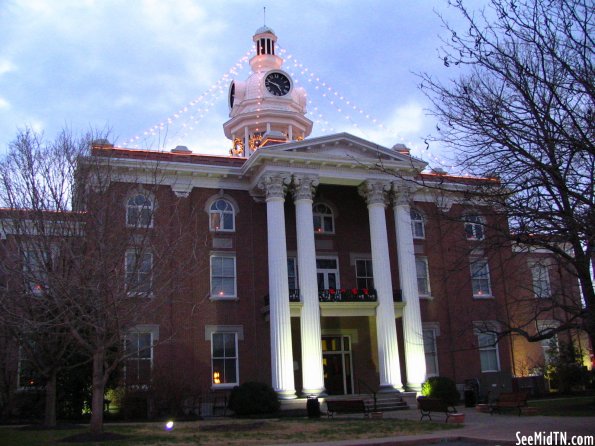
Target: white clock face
point(277, 84)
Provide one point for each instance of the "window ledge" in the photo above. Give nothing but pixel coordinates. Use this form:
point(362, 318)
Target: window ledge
point(223, 386)
point(426, 297)
point(223, 298)
point(484, 297)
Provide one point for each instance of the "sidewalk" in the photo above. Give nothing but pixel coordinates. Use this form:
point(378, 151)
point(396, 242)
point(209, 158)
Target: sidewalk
point(479, 428)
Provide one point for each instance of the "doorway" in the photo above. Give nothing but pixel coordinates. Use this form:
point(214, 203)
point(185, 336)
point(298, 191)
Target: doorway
point(327, 272)
point(337, 365)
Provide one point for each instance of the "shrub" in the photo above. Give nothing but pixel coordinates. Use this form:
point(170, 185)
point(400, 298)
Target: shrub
point(441, 387)
point(253, 398)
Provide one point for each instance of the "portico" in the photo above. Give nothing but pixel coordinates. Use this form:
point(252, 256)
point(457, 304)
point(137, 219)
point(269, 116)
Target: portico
point(375, 193)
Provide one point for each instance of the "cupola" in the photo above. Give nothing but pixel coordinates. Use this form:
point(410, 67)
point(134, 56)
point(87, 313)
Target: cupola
point(267, 108)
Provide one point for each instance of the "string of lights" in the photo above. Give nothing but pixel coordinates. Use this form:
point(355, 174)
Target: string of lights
point(189, 116)
point(178, 127)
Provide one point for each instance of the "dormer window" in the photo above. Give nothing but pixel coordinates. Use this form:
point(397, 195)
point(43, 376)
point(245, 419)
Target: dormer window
point(324, 221)
point(474, 227)
point(139, 211)
point(222, 216)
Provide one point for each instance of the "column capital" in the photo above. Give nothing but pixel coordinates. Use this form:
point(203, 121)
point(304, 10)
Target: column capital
point(274, 184)
point(402, 192)
point(374, 192)
point(304, 187)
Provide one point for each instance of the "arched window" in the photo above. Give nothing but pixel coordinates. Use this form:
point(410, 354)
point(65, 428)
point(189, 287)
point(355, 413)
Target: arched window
point(474, 227)
point(139, 211)
point(324, 221)
point(221, 216)
point(417, 224)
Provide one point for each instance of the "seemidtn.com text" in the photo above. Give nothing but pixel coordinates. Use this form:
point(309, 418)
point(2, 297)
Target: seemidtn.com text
point(554, 438)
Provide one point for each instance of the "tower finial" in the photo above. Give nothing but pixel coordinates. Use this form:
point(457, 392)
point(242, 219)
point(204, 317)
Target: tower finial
point(264, 15)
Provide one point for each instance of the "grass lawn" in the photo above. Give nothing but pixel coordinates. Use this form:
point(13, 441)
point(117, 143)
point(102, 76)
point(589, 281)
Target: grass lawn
point(229, 432)
point(583, 406)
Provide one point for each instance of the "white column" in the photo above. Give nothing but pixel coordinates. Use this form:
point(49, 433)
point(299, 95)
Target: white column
point(312, 371)
point(388, 349)
point(280, 318)
point(415, 361)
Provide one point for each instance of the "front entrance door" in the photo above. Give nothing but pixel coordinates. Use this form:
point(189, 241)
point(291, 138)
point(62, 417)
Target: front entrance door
point(337, 366)
point(327, 269)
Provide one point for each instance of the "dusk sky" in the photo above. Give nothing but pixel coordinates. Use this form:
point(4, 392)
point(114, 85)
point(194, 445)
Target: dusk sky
point(146, 66)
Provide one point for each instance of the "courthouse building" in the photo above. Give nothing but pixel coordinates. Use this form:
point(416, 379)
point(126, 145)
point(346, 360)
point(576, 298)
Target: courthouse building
point(327, 265)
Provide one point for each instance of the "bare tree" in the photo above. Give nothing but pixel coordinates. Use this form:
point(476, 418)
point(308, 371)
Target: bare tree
point(522, 110)
point(88, 256)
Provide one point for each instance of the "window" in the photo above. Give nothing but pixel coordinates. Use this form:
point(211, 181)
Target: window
point(364, 274)
point(292, 273)
point(480, 278)
point(474, 227)
point(431, 352)
point(224, 359)
point(28, 376)
point(417, 224)
point(222, 216)
point(139, 271)
point(541, 280)
point(488, 352)
point(223, 276)
point(550, 345)
point(139, 211)
point(324, 222)
point(423, 276)
point(35, 271)
point(139, 362)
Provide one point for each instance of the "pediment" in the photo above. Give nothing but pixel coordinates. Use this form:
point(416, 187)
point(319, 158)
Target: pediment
point(341, 147)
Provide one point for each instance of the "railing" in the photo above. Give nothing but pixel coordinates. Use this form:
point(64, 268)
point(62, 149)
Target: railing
point(347, 295)
point(372, 391)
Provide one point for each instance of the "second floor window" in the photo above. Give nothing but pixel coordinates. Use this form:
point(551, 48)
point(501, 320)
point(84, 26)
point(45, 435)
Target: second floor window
point(541, 280)
point(324, 222)
point(423, 277)
point(139, 211)
point(222, 216)
point(223, 276)
point(139, 271)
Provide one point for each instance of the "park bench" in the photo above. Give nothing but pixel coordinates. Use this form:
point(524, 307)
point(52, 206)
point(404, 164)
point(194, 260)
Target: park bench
point(428, 405)
point(345, 406)
point(509, 400)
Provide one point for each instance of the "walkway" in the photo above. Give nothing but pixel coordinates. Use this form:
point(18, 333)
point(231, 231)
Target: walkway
point(480, 429)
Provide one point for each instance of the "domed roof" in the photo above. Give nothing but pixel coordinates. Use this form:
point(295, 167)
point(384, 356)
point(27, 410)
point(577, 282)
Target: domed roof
point(264, 29)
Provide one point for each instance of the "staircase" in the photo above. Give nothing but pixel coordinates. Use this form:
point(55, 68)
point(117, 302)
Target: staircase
point(385, 402)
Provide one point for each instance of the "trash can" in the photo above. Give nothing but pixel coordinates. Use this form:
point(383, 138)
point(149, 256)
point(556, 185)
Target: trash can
point(313, 407)
point(471, 392)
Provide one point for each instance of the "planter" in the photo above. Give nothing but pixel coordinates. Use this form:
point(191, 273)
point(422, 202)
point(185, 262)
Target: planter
point(484, 408)
point(457, 417)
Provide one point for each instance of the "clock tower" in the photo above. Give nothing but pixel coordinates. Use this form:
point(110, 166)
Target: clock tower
point(267, 108)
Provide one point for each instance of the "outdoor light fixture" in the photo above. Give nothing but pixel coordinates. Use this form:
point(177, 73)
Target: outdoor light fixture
point(169, 425)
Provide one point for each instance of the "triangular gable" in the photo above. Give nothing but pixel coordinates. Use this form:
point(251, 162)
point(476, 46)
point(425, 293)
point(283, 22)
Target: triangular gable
point(342, 147)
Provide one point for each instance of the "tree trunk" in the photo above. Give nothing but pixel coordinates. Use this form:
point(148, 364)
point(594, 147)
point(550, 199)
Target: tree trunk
point(50, 401)
point(97, 395)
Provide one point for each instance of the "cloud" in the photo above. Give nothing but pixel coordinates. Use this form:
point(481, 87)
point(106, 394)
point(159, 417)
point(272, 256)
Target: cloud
point(4, 104)
point(6, 66)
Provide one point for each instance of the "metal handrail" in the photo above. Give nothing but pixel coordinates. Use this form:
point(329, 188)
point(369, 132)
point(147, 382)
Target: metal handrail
point(366, 385)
